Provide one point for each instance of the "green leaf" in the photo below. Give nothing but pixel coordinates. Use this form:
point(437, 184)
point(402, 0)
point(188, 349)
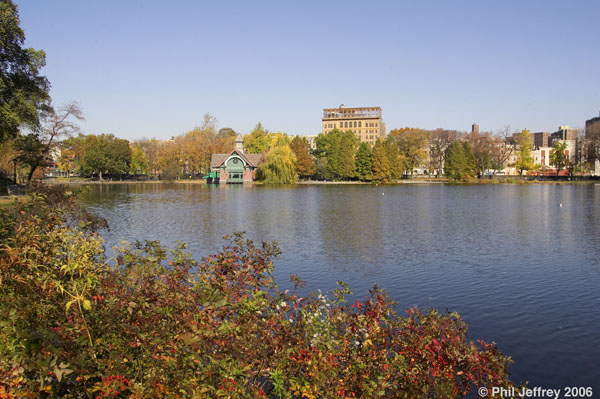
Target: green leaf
point(87, 305)
point(58, 373)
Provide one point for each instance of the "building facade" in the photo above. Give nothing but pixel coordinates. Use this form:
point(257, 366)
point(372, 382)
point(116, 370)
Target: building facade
point(235, 166)
point(541, 139)
point(592, 128)
point(365, 122)
point(592, 136)
point(563, 133)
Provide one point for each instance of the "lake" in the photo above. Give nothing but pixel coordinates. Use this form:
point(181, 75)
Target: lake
point(520, 263)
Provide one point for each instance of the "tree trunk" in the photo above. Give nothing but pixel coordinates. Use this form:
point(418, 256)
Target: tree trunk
point(30, 175)
point(100, 176)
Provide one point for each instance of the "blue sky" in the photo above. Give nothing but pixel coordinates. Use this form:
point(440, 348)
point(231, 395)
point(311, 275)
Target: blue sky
point(154, 68)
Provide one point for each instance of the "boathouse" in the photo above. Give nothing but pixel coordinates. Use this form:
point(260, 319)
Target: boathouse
point(235, 166)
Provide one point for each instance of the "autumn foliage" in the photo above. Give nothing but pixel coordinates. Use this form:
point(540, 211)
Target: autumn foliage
point(152, 322)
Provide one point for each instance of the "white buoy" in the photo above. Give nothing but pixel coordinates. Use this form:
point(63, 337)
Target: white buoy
point(384, 194)
point(560, 205)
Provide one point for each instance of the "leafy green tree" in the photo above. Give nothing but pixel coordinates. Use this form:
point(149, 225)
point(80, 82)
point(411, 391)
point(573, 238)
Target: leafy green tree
point(364, 165)
point(412, 144)
point(324, 152)
point(23, 92)
point(460, 163)
point(305, 165)
point(558, 156)
point(105, 154)
point(279, 166)
point(348, 145)
point(338, 148)
point(257, 141)
point(31, 152)
point(322, 169)
point(524, 157)
point(379, 159)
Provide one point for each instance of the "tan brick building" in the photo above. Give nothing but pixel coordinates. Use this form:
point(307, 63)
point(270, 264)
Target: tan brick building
point(366, 122)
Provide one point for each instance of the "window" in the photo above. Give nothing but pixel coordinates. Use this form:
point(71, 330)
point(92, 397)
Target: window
point(359, 124)
point(355, 124)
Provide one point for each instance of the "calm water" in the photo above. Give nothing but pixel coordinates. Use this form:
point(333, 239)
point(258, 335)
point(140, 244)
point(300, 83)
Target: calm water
point(522, 270)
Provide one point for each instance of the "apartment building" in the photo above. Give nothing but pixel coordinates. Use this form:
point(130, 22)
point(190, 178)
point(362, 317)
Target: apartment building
point(592, 128)
point(365, 122)
point(592, 135)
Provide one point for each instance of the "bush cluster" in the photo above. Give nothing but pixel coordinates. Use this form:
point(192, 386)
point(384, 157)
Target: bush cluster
point(153, 322)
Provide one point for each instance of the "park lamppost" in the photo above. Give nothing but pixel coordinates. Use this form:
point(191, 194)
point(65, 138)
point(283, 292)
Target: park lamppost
point(15, 170)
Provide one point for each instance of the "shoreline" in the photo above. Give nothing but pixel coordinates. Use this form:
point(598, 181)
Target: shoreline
point(505, 180)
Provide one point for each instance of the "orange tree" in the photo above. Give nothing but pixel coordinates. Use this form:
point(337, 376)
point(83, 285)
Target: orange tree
point(153, 322)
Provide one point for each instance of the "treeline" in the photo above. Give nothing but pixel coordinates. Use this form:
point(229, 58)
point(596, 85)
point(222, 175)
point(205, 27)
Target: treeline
point(337, 155)
point(187, 155)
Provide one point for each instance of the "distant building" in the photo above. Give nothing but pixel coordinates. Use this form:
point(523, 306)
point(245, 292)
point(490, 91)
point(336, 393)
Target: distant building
point(312, 141)
point(235, 166)
point(475, 128)
point(592, 136)
point(592, 128)
point(365, 122)
point(444, 135)
point(541, 156)
point(563, 133)
point(541, 139)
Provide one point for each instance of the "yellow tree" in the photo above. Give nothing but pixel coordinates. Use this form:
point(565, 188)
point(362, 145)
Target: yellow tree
point(524, 157)
point(279, 166)
point(412, 143)
point(379, 160)
point(139, 162)
point(66, 161)
point(278, 139)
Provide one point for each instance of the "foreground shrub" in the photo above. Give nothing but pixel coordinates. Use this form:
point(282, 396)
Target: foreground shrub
point(156, 323)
